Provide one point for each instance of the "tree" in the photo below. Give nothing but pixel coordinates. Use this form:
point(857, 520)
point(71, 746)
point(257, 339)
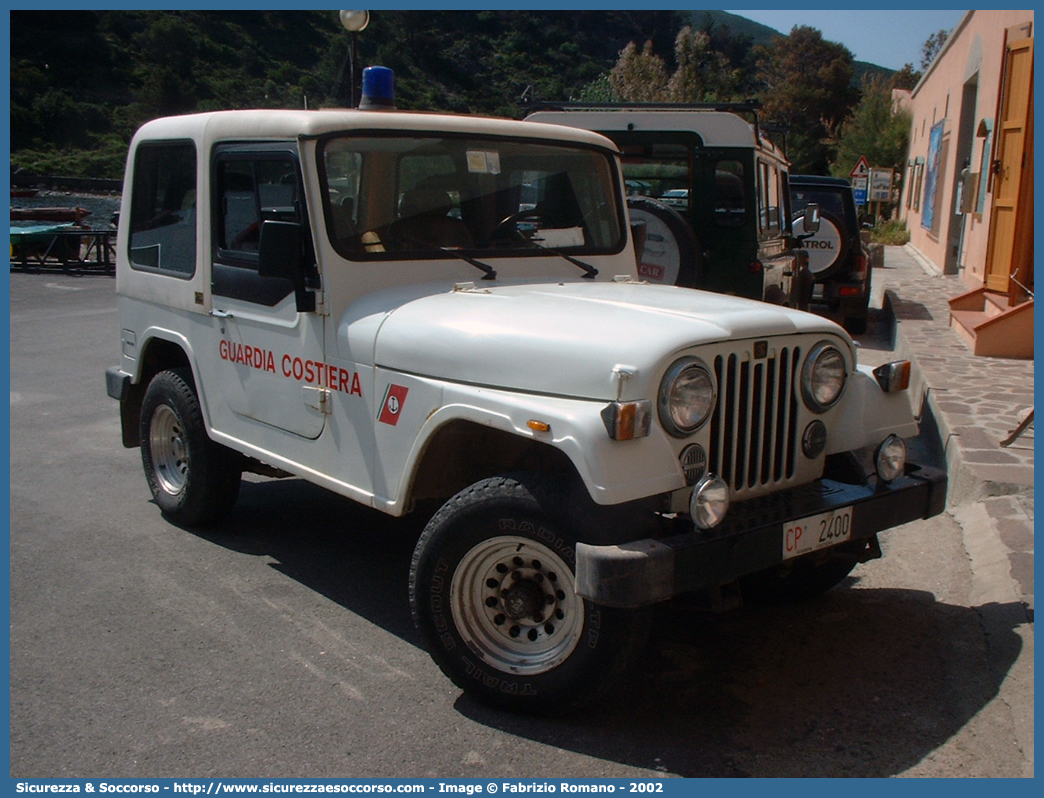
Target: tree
point(931, 48)
point(875, 130)
point(703, 74)
point(639, 76)
point(905, 78)
point(806, 87)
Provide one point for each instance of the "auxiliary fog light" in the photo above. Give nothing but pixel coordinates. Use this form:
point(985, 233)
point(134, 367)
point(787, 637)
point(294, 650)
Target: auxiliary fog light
point(814, 441)
point(891, 458)
point(709, 502)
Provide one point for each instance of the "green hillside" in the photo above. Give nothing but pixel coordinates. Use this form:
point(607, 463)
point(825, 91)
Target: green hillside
point(82, 81)
point(756, 33)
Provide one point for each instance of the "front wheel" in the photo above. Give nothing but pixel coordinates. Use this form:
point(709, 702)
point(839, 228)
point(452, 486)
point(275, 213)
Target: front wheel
point(492, 593)
point(193, 480)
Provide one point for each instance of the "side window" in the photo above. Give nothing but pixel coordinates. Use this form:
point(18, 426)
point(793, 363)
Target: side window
point(769, 200)
point(252, 185)
point(163, 209)
point(730, 198)
point(252, 190)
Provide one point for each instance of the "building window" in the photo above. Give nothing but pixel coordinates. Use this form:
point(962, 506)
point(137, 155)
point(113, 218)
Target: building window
point(917, 183)
point(984, 132)
point(933, 179)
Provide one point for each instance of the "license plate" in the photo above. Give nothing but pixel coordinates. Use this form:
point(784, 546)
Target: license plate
point(816, 532)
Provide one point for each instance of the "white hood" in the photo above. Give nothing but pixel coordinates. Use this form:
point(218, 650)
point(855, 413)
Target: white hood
point(565, 338)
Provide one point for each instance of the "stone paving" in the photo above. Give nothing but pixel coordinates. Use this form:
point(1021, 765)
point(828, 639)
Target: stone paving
point(976, 402)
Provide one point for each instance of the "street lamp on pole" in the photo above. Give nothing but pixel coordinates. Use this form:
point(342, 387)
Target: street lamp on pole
point(353, 22)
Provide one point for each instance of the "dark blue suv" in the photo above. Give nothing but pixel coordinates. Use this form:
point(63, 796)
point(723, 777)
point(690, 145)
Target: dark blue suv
point(838, 258)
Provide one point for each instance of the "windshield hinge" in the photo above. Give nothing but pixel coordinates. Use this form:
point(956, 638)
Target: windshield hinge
point(317, 398)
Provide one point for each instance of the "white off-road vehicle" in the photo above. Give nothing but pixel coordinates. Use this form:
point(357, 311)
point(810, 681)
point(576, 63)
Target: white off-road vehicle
point(405, 307)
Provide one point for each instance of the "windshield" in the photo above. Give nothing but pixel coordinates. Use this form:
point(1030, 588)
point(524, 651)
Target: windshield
point(832, 202)
point(391, 197)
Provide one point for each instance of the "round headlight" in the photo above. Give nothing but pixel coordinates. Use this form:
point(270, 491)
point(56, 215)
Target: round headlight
point(891, 458)
point(686, 397)
point(709, 502)
point(823, 378)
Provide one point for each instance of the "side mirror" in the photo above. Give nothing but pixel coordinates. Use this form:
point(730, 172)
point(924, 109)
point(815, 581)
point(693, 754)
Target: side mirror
point(279, 256)
point(811, 223)
point(638, 231)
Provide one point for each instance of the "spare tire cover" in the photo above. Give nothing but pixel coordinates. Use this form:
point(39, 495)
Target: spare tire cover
point(671, 255)
point(826, 248)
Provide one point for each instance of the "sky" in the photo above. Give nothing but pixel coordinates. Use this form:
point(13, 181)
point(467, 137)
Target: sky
point(885, 38)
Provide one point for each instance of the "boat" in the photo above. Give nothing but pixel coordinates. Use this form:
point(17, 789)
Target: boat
point(24, 192)
point(50, 214)
point(42, 241)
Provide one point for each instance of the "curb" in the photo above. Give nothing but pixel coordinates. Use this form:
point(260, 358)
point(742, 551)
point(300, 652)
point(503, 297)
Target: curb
point(966, 482)
point(995, 514)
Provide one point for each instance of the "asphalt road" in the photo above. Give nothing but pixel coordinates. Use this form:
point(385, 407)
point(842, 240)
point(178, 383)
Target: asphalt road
point(281, 643)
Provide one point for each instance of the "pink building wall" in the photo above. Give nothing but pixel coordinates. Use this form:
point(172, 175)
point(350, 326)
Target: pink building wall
point(957, 97)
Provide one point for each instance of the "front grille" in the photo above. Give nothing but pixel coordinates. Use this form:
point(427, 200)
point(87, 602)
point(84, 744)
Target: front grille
point(753, 432)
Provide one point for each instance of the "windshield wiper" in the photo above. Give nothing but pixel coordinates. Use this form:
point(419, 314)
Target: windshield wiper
point(488, 272)
point(590, 272)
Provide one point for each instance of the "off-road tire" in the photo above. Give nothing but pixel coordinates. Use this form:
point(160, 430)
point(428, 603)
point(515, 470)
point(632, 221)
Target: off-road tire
point(680, 236)
point(491, 591)
point(841, 255)
point(856, 325)
point(193, 480)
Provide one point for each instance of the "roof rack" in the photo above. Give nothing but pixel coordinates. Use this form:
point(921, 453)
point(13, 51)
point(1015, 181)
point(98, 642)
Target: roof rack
point(746, 107)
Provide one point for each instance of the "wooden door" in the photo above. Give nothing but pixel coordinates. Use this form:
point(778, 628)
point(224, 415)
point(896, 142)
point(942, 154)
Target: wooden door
point(1014, 146)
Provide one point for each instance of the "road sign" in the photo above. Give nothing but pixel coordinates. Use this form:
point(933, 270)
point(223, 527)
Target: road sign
point(881, 185)
point(860, 176)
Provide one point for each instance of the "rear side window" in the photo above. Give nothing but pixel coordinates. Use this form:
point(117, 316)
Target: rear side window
point(730, 198)
point(770, 200)
point(163, 209)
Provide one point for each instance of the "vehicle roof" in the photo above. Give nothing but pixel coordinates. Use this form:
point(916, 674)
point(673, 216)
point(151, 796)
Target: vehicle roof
point(291, 124)
point(817, 180)
point(716, 128)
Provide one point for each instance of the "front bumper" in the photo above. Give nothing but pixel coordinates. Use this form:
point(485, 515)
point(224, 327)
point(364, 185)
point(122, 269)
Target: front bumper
point(751, 539)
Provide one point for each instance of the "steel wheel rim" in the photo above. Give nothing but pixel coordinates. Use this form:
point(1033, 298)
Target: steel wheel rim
point(169, 450)
point(513, 603)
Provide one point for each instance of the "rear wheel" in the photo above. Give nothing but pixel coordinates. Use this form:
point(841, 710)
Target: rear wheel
point(855, 324)
point(492, 592)
point(827, 248)
point(193, 480)
point(672, 254)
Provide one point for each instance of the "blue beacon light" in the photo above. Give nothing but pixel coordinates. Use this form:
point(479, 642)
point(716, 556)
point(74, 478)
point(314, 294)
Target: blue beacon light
point(378, 89)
